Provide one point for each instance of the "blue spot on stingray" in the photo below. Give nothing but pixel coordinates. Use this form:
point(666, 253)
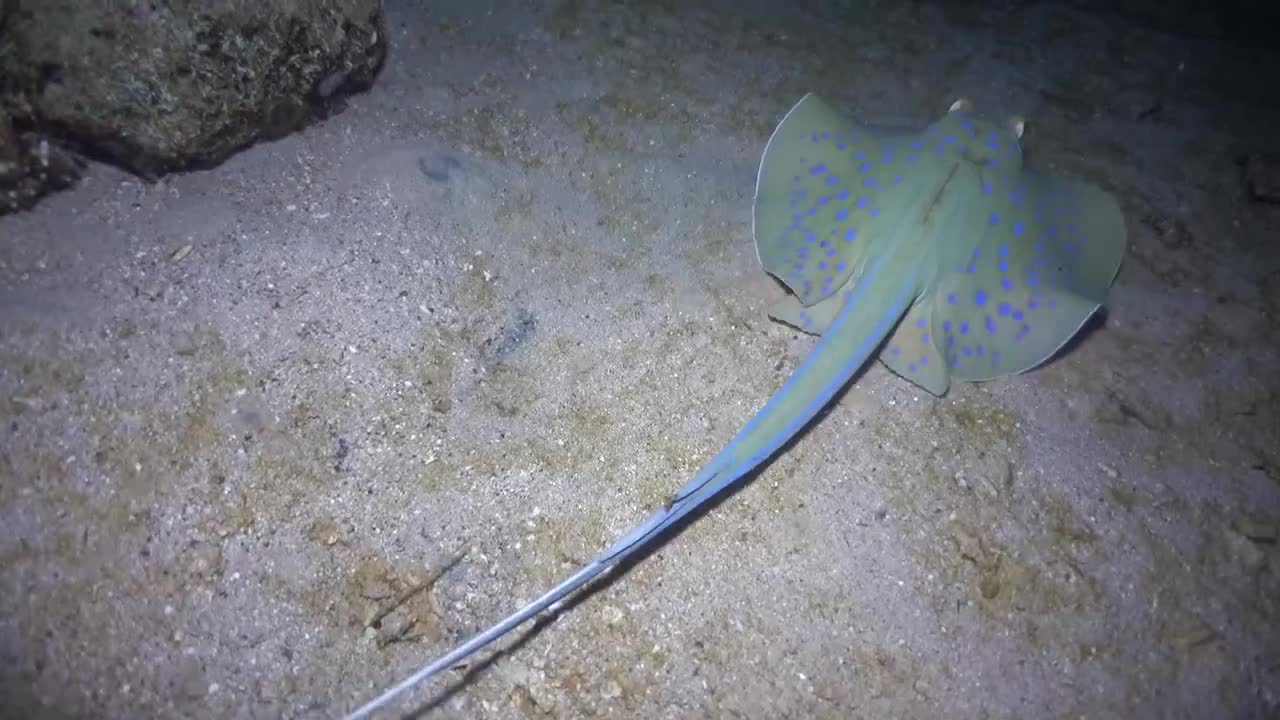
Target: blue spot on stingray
point(916, 145)
point(951, 341)
point(991, 325)
point(1032, 304)
point(1017, 228)
point(976, 253)
point(810, 237)
point(840, 266)
point(995, 218)
point(1003, 266)
point(817, 169)
point(911, 367)
point(1002, 250)
point(967, 352)
point(964, 327)
point(862, 201)
point(887, 157)
point(921, 322)
point(864, 167)
point(869, 182)
point(895, 351)
point(831, 251)
point(859, 154)
point(842, 213)
point(841, 146)
point(946, 325)
point(822, 265)
point(909, 158)
point(924, 360)
point(980, 297)
point(875, 211)
point(977, 350)
point(1017, 314)
point(1004, 308)
point(832, 179)
point(825, 243)
point(986, 188)
point(1006, 283)
point(811, 211)
point(824, 200)
point(843, 194)
point(924, 338)
point(897, 179)
point(951, 298)
point(849, 234)
point(949, 139)
point(992, 144)
point(995, 358)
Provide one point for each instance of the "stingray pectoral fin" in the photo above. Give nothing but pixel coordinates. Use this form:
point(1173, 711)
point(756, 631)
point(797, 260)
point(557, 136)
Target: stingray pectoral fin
point(1046, 256)
point(827, 190)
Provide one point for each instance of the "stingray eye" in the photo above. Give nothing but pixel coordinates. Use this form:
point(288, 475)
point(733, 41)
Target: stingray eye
point(1017, 125)
point(960, 105)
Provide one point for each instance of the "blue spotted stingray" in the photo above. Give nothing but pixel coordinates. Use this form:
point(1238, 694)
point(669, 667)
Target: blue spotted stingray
point(937, 250)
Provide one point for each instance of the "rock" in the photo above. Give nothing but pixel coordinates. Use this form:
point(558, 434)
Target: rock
point(31, 166)
point(158, 87)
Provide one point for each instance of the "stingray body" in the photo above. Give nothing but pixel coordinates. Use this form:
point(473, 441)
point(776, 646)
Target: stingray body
point(937, 250)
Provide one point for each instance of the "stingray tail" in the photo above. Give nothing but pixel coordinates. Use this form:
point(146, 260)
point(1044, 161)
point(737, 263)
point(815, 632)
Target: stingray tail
point(871, 310)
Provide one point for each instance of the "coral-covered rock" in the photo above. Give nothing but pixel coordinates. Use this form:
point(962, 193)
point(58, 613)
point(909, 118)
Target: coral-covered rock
point(156, 87)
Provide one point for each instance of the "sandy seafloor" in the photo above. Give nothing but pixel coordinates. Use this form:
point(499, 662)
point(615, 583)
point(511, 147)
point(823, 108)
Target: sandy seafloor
point(508, 300)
